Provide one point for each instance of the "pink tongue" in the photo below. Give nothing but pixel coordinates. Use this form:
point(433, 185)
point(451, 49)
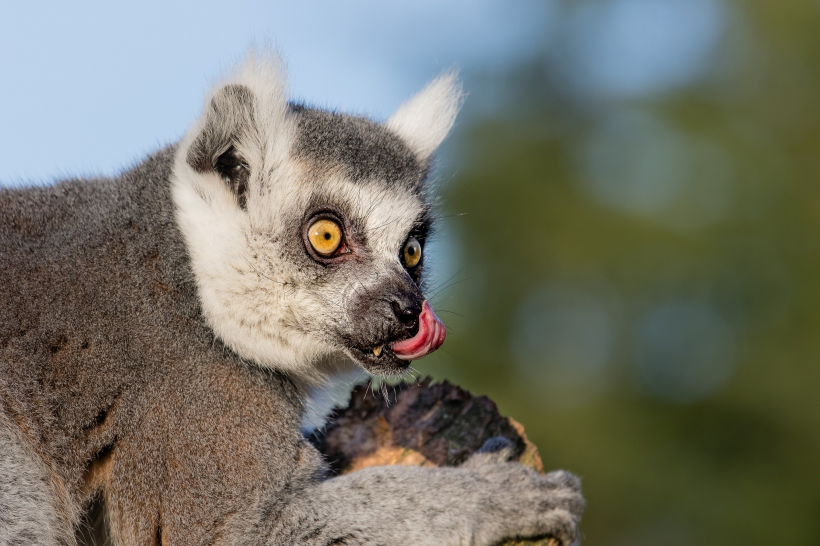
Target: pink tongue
point(430, 336)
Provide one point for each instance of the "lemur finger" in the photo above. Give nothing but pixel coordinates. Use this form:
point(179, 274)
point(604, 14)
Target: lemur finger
point(564, 497)
point(562, 478)
point(561, 525)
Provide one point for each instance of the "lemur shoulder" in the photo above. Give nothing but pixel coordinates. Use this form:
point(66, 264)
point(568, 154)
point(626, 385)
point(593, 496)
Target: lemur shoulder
point(159, 331)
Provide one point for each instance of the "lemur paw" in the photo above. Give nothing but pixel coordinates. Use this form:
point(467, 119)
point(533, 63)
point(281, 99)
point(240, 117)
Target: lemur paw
point(561, 505)
point(539, 505)
point(536, 504)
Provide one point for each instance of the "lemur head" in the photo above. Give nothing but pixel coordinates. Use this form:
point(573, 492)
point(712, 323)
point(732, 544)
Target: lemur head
point(306, 228)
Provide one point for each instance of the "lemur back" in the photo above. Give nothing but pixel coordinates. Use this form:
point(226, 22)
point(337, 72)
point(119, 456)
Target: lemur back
point(107, 333)
point(158, 332)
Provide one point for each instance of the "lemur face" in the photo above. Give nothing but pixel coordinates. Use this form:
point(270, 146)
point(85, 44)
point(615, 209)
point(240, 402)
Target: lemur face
point(307, 229)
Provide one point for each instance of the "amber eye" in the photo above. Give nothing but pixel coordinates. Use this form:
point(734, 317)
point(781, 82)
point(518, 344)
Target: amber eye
point(325, 237)
point(412, 253)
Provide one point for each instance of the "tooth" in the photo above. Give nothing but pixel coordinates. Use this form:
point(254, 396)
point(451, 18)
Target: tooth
point(378, 350)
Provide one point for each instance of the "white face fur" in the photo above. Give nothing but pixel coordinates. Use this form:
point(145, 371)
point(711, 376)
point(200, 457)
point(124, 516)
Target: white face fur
point(252, 176)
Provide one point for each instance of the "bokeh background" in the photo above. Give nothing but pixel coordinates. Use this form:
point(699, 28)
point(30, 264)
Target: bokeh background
point(628, 260)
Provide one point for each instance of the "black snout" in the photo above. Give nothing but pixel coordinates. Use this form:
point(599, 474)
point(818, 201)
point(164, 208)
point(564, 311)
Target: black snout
point(384, 314)
point(407, 310)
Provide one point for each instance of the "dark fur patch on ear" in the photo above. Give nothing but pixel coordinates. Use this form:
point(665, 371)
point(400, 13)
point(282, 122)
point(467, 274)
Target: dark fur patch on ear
point(230, 116)
point(235, 172)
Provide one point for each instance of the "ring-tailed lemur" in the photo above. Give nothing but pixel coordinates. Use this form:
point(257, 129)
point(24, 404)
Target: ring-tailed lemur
point(158, 331)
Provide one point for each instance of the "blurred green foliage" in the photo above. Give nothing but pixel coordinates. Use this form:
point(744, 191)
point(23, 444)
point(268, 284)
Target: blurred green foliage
point(736, 463)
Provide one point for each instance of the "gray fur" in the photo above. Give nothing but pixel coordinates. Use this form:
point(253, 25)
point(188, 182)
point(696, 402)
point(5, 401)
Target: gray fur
point(111, 370)
point(363, 149)
point(29, 512)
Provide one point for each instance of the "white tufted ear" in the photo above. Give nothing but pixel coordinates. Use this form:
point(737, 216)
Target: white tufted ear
point(426, 119)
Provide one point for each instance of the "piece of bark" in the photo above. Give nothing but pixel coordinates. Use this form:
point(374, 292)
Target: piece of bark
point(422, 424)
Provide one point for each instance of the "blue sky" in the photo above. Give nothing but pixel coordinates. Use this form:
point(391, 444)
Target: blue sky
point(90, 87)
